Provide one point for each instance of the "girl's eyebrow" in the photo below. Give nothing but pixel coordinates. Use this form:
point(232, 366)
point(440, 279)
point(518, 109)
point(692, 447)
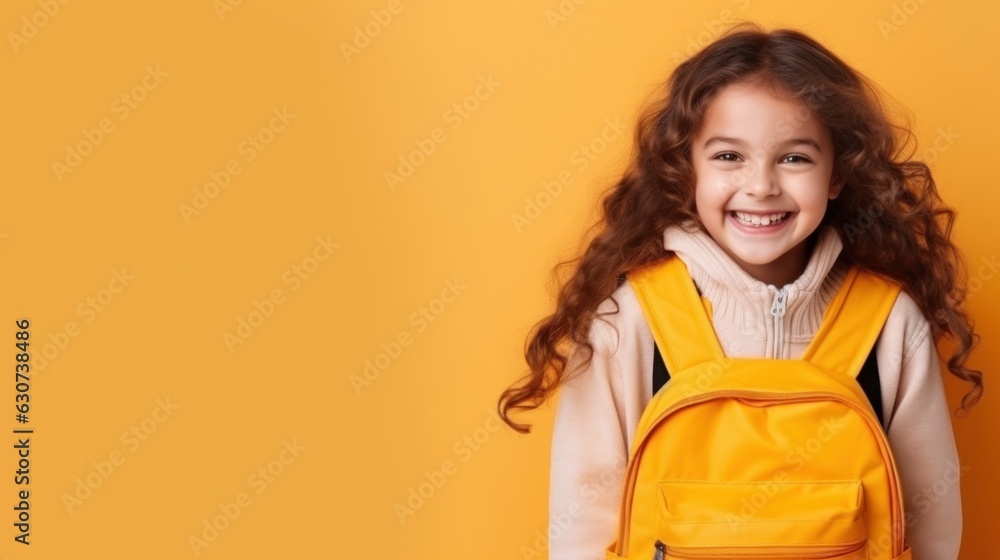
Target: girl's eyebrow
point(724, 139)
point(806, 141)
point(742, 143)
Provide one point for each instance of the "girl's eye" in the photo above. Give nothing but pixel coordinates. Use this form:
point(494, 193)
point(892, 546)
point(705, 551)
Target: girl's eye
point(796, 158)
point(727, 156)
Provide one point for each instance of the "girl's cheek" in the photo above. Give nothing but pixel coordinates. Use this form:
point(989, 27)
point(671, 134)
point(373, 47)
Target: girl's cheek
point(727, 183)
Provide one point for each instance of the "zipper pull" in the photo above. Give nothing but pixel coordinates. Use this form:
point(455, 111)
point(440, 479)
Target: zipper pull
point(778, 306)
point(661, 550)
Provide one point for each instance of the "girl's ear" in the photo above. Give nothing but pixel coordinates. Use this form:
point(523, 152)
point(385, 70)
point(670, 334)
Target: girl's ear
point(835, 187)
point(836, 183)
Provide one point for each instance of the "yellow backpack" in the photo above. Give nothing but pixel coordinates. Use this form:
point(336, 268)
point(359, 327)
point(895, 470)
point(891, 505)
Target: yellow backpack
point(738, 458)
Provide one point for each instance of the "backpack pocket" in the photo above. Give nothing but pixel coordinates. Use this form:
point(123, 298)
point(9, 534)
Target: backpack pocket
point(793, 520)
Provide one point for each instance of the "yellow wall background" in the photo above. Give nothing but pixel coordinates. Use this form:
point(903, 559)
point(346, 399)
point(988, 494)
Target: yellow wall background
point(172, 170)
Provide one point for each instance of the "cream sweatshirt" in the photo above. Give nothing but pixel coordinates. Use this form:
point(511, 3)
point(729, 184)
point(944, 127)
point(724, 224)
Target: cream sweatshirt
point(600, 406)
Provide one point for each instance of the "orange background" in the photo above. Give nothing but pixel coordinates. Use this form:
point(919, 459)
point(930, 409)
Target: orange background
point(153, 200)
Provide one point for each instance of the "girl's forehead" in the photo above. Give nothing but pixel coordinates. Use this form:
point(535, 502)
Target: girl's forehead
point(756, 113)
point(753, 93)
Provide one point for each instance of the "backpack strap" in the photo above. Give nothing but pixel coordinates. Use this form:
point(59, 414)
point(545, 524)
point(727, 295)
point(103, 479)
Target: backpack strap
point(852, 322)
point(665, 289)
point(868, 379)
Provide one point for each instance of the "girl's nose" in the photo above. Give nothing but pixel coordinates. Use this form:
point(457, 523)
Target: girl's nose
point(759, 181)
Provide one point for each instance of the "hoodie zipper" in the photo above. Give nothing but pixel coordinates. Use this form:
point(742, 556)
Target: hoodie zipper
point(778, 310)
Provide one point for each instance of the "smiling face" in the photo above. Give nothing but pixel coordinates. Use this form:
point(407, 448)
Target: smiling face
point(763, 166)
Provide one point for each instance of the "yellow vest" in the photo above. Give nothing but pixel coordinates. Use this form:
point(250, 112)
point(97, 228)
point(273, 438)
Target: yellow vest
point(760, 458)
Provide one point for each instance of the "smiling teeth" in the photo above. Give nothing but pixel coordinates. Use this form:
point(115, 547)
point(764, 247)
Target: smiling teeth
point(761, 220)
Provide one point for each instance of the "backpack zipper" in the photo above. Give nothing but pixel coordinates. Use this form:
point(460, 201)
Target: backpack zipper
point(751, 551)
point(661, 550)
point(778, 310)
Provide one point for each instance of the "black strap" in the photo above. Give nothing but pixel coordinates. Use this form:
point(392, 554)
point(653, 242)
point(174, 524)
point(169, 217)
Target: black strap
point(660, 373)
point(867, 378)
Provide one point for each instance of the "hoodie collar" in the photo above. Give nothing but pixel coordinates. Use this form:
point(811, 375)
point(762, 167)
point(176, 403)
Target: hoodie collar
point(717, 275)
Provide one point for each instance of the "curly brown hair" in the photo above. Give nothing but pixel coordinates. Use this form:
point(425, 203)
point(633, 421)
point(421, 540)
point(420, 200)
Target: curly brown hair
point(889, 213)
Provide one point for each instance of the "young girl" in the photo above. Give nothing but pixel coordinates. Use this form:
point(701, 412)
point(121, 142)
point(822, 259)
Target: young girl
point(768, 168)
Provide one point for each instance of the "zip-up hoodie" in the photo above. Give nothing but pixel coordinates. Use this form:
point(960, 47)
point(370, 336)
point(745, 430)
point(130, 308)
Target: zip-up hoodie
point(600, 406)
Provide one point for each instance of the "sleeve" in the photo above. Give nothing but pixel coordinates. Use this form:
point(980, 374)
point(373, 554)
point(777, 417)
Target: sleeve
point(922, 441)
point(589, 456)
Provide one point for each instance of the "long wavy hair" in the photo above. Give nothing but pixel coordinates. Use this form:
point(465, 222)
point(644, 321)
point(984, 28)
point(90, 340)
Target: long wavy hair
point(888, 213)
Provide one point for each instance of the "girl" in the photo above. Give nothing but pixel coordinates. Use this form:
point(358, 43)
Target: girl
point(768, 167)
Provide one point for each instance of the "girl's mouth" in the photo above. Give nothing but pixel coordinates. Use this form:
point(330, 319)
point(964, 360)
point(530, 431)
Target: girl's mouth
point(760, 223)
point(760, 219)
